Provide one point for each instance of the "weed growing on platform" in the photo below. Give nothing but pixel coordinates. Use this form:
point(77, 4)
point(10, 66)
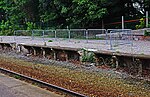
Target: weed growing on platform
point(50, 40)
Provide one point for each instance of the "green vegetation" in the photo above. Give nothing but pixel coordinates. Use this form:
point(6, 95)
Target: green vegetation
point(17, 76)
point(46, 14)
point(50, 40)
point(30, 25)
point(141, 25)
point(146, 33)
point(87, 56)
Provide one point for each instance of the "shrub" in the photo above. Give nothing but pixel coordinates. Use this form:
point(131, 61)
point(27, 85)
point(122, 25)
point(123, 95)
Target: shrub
point(50, 41)
point(146, 33)
point(141, 25)
point(30, 25)
point(7, 27)
point(87, 56)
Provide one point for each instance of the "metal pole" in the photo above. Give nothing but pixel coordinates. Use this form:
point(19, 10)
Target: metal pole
point(69, 33)
point(111, 47)
point(106, 32)
point(147, 19)
point(55, 34)
point(87, 36)
point(43, 33)
point(14, 36)
point(122, 22)
point(102, 24)
point(32, 35)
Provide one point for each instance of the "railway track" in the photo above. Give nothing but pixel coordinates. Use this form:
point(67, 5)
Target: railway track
point(60, 90)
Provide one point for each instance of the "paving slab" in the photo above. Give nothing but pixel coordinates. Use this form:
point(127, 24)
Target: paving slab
point(11, 87)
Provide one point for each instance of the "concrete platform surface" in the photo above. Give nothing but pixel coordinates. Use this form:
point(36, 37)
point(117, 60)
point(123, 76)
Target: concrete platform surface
point(137, 47)
point(11, 87)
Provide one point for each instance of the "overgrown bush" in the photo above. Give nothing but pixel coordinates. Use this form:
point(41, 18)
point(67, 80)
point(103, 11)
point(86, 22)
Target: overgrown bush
point(141, 25)
point(87, 56)
point(50, 40)
point(7, 28)
point(30, 25)
point(146, 33)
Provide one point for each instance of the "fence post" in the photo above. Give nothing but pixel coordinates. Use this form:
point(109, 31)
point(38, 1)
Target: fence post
point(87, 35)
point(111, 47)
point(55, 34)
point(43, 33)
point(69, 34)
point(131, 39)
point(32, 35)
point(106, 32)
point(14, 35)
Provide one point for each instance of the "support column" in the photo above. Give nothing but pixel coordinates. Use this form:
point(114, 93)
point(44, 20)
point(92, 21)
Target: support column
point(66, 56)
point(54, 54)
point(19, 49)
point(13, 46)
point(34, 51)
point(43, 52)
point(140, 69)
point(115, 61)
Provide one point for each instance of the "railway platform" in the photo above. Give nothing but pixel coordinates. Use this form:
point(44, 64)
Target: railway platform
point(134, 55)
point(11, 87)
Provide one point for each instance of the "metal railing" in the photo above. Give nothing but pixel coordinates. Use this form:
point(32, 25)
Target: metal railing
point(118, 37)
point(111, 37)
point(82, 34)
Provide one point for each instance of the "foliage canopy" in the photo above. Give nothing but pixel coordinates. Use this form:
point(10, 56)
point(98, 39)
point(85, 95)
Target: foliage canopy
point(17, 14)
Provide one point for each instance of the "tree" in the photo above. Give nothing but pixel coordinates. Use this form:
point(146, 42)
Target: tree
point(146, 5)
point(72, 13)
point(76, 13)
point(85, 12)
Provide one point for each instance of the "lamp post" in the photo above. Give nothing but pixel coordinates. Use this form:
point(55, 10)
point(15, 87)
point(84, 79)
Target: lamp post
point(147, 19)
point(122, 22)
point(42, 24)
